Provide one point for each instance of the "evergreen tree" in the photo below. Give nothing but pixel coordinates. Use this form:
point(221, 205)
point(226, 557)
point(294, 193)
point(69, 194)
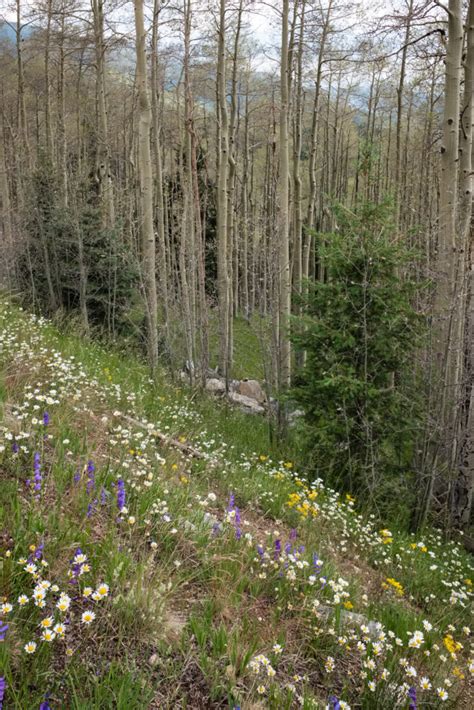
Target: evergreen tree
point(359, 329)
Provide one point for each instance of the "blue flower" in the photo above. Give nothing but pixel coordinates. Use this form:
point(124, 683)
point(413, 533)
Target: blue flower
point(120, 494)
point(3, 685)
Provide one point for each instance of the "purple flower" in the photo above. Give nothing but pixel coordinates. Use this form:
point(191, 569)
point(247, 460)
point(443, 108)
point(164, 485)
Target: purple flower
point(3, 631)
point(293, 534)
point(412, 696)
point(46, 419)
point(3, 685)
point(103, 496)
point(120, 494)
point(335, 702)
point(90, 477)
point(277, 549)
point(37, 472)
point(238, 531)
point(15, 447)
point(45, 705)
point(231, 501)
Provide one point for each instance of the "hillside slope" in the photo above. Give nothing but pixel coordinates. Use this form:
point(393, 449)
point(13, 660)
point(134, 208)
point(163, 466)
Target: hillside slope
point(152, 555)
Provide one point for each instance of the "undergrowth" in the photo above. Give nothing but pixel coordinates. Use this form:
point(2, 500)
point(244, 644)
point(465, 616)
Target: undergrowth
point(156, 553)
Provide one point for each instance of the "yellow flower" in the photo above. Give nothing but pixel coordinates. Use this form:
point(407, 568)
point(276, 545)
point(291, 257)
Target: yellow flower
point(451, 645)
point(262, 457)
point(293, 499)
point(47, 622)
point(348, 604)
point(288, 464)
point(395, 585)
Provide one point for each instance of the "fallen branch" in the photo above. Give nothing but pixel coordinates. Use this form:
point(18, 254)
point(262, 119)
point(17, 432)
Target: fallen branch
point(168, 440)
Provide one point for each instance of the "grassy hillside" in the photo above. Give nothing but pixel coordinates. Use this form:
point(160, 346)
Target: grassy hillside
point(154, 553)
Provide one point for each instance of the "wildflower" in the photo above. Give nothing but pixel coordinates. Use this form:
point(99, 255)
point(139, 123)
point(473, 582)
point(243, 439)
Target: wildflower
point(37, 477)
point(277, 648)
point(103, 590)
point(48, 635)
point(120, 494)
point(88, 617)
point(30, 647)
point(329, 664)
point(371, 686)
point(3, 631)
point(6, 608)
point(60, 629)
point(261, 689)
point(90, 477)
point(412, 696)
point(46, 419)
point(336, 705)
point(416, 640)
point(451, 645)
point(3, 685)
point(64, 602)
point(47, 622)
point(442, 694)
point(395, 585)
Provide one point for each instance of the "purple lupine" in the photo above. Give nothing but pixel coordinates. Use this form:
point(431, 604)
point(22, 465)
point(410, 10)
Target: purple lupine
point(103, 496)
point(231, 502)
point(336, 705)
point(37, 472)
point(90, 477)
point(261, 552)
point(412, 696)
point(3, 685)
point(45, 704)
point(293, 534)
point(46, 419)
point(3, 631)
point(238, 529)
point(91, 508)
point(288, 548)
point(120, 494)
point(15, 447)
point(77, 476)
point(277, 549)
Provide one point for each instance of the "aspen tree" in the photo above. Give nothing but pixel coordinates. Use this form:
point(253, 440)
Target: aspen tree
point(103, 174)
point(284, 289)
point(222, 187)
point(146, 188)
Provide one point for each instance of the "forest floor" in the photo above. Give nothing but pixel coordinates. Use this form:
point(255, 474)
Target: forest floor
point(154, 553)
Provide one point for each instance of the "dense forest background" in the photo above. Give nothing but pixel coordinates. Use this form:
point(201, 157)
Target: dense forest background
point(184, 176)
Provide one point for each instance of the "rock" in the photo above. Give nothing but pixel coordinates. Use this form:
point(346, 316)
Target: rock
point(215, 386)
point(253, 390)
point(246, 403)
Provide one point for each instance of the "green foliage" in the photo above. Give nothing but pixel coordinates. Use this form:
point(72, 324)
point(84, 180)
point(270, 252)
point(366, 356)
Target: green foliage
point(54, 233)
point(359, 330)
